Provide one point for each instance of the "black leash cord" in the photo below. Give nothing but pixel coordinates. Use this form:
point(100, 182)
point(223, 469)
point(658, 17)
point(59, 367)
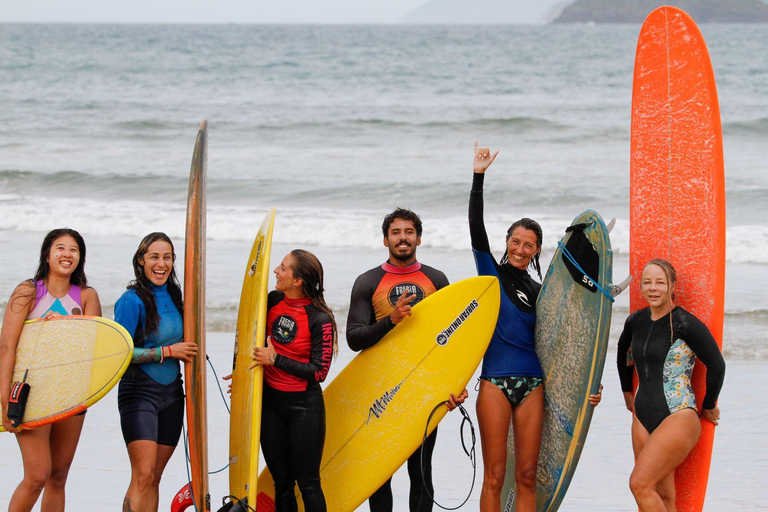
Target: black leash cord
point(470, 453)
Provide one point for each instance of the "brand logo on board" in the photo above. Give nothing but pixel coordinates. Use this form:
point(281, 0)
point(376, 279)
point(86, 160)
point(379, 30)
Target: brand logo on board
point(380, 405)
point(444, 335)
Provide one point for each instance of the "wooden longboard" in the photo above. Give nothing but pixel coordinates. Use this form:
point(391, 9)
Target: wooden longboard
point(573, 318)
point(677, 193)
point(194, 322)
point(72, 362)
point(245, 418)
point(377, 407)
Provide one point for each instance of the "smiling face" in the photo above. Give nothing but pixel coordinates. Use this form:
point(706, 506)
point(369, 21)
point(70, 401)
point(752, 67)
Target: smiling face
point(157, 262)
point(64, 256)
point(402, 240)
point(657, 289)
point(286, 282)
point(522, 245)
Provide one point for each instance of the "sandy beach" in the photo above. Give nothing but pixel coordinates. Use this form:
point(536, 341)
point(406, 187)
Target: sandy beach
point(100, 472)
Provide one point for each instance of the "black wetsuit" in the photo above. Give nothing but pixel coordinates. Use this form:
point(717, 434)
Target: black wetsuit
point(511, 352)
point(374, 295)
point(293, 411)
point(664, 362)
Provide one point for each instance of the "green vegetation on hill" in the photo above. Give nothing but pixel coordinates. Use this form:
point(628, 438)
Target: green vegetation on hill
point(635, 11)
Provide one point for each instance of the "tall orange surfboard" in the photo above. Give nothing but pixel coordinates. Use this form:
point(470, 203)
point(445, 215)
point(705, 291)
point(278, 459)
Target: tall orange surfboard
point(677, 193)
point(194, 323)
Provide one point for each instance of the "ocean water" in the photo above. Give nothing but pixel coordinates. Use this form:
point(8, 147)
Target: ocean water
point(338, 125)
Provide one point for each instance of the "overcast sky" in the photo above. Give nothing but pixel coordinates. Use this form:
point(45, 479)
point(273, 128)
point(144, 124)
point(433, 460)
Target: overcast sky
point(230, 11)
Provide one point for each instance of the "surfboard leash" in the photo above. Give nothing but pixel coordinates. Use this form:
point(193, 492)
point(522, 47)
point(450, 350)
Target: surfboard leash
point(570, 257)
point(471, 453)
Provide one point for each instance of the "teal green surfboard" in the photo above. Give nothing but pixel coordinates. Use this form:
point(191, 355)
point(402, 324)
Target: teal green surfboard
point(573, 317)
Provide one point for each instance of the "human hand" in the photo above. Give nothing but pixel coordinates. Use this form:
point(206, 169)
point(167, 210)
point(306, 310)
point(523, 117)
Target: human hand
point(8, 424)
point(595, 399)
point(229, 388)
point(483, 159)
point(712, 415)
point(454, 401)
point(402, 308)
point(264, 356)
point(184, 351)
point(629, 401)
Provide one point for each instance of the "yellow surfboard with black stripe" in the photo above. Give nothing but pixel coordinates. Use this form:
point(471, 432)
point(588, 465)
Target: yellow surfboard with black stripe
point(245, 418)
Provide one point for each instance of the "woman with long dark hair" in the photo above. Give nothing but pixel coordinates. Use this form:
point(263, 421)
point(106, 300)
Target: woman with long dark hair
point(511, 378)
point(59, 287)
point(661, 342)
point(301, 342)
point(151, 395)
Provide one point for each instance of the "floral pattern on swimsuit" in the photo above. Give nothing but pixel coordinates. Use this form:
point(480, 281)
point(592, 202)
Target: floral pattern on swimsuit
point(678, 368)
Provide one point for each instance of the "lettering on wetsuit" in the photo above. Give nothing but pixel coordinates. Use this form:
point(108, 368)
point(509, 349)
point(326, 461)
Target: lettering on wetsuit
point(380, 405)
point(406, 288)
point(284, 329)
point(322, 373)
point(445, 334)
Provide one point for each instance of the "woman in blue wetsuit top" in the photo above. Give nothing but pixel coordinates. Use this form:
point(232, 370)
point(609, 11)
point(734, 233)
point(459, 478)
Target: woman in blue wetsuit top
point(662, 341)
point(301, 343)
point(59, 288)
point(511, 377)
point(151, 396)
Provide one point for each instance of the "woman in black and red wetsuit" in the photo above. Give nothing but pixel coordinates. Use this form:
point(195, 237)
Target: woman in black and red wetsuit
point(301, 342)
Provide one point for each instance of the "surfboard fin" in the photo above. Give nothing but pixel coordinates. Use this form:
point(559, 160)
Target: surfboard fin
point(618, 288)
point(610, 225)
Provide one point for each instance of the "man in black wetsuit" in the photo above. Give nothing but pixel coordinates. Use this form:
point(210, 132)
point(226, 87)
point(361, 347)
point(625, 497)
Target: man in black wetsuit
point(382, 298)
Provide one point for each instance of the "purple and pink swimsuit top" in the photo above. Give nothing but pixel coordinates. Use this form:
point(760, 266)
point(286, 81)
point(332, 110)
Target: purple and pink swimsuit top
point(69, 304)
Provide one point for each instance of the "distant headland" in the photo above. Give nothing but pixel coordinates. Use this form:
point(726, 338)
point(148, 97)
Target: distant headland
point(635, 11)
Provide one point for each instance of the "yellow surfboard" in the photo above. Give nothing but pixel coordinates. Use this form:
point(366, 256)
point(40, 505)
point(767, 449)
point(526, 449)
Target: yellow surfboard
point(71, 362)
point(377, 407)
point(245, 418)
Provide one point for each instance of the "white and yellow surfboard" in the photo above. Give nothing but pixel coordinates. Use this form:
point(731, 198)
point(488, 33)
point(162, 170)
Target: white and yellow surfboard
point(70, 363)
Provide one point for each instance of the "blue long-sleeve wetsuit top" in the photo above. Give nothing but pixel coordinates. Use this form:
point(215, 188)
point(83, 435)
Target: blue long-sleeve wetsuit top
point(511, 351)
point(131, 314)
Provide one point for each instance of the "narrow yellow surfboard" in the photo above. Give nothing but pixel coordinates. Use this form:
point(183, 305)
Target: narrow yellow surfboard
point(71, 363)
point(245, 418)
point(377, 407)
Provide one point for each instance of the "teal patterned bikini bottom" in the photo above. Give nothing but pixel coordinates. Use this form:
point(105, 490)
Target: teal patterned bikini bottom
point(515, 388)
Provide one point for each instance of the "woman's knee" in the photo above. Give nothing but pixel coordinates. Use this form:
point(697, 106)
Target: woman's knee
point(494, 477)
point(144, 475)
point(36, 479)
point(526, 477)
point(58, 477)
point(639, 485)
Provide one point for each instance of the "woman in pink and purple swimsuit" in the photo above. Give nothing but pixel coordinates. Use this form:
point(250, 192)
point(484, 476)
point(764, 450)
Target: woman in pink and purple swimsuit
point(58, 288)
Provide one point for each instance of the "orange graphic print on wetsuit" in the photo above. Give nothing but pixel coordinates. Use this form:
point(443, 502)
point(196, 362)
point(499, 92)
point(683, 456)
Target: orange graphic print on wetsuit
point(393, 285)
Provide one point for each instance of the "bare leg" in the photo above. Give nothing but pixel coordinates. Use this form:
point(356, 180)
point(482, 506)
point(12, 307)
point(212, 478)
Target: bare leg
point(493, 418)
point(658, 457)
point(65, 435)
point(143, 456)
point(527, 421)
point(164, 453)
point(36, 457)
